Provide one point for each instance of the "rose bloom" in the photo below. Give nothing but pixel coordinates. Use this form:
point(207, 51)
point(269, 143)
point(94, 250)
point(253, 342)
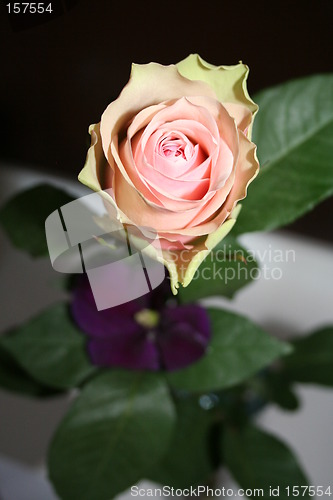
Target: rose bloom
point(174, 153)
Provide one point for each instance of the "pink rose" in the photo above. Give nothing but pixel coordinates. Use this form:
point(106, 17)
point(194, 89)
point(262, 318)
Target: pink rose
point(175, 150)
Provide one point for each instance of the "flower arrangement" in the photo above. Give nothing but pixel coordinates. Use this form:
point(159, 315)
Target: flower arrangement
point(165, 388)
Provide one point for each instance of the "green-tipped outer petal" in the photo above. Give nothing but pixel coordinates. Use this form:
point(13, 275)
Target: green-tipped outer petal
point(228, 82)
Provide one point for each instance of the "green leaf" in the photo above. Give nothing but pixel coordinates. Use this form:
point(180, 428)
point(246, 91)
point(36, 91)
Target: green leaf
point(279, 390)
point(118, 428)
point(258, 460)
point(312, 358)
point(187, 462)
point(238, 349)
point(274, 386)
point(294, 134)
point(14, 379)
point(24, 215)
point(51, 349)
point(225, 270)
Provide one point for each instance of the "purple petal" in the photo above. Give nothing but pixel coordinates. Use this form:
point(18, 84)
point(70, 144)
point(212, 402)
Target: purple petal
point(116, 339)
point(103, 324)
point(184, 337)
point(160, 295)
point(136, 352)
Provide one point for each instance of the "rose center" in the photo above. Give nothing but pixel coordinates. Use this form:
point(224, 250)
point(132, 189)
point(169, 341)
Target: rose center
point(175, 148)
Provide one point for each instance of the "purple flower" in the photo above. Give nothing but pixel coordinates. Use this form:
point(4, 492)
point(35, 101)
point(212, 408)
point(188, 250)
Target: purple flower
point(149, 333)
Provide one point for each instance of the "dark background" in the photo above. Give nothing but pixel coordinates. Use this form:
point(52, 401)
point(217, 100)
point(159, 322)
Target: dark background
point(58, 75)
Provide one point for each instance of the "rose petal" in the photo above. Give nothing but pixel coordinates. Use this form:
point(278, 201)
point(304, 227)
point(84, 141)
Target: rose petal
point(96, 169)
point(142, 214)
point(141, 92)
point(242, 115)
point(246, 170)
point(93, 170)
point(228, 82)
point(140, 174)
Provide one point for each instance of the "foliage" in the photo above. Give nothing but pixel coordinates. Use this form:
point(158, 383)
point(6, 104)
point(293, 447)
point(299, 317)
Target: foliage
point(176, 428)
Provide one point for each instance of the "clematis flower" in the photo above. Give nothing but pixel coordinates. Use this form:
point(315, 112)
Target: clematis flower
point(149, 333)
